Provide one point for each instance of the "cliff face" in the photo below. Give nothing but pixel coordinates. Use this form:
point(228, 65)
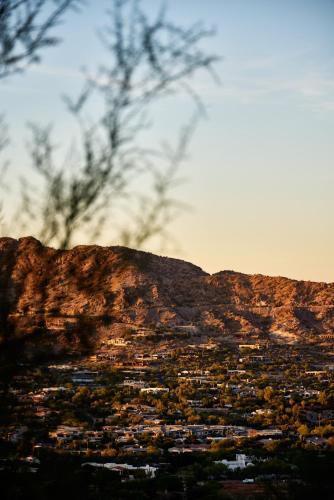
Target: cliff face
point(71, 294)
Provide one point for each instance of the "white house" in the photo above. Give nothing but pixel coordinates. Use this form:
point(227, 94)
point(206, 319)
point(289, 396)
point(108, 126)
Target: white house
point(241, 462)
point(123, 468)
point(154, 390)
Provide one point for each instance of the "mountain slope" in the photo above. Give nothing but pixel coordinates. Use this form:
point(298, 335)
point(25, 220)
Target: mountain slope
point(68, 295)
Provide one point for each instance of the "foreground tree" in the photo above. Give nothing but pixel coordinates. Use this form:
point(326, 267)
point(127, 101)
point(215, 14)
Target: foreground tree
point(26, 28)
point(3, 165)
point(148, 60)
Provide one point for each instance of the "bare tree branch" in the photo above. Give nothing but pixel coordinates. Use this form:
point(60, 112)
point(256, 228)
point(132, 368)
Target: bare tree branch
point(4, 140)
point(25, 30)
point(154, 211)
point(147, 60)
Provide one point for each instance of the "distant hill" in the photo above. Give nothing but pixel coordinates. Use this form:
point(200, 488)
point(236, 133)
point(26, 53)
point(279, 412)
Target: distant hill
point(59, 299)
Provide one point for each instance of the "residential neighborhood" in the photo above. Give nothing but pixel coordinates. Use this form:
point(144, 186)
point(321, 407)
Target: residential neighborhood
point(139, 411)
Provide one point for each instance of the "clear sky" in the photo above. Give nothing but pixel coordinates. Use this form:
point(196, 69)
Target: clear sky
point(260, 173)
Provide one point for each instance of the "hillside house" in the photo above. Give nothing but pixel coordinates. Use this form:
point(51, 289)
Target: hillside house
point(241, 462)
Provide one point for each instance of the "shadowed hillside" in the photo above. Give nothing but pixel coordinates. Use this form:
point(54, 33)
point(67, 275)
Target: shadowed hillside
point(63, 299)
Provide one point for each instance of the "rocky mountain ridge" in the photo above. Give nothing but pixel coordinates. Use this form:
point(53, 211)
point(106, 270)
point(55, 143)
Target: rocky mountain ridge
point(69, 294)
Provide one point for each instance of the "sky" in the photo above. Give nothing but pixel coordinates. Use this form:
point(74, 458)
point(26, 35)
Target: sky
point(260, 176)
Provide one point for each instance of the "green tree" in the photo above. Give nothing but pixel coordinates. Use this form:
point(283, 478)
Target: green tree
point(82, 396)
point(303, 431)
point(268, 393)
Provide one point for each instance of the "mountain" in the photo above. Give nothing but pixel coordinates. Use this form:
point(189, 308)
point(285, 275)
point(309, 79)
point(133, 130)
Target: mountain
point(68, 298)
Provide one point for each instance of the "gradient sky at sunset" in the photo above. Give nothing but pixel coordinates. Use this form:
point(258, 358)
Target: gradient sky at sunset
point(260, 173)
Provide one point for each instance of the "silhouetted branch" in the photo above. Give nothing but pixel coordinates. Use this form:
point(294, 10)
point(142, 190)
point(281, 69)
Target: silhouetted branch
point(147, 61)
point(3, 133)
point(26, 28)
point(156, 210)
point(3, 164)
